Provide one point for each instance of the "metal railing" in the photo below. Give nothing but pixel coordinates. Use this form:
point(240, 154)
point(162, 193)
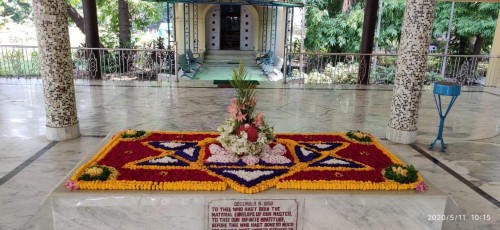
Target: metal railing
point(342, 68)
point(310, 68)
point(90, 63)
point(19, 61)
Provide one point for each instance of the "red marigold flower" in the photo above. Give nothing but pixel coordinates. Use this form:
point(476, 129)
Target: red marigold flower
point(251, 131)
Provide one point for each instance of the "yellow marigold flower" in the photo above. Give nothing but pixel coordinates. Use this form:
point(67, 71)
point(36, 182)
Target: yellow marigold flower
point(94, 171)
point(130, 132)
point(400, 170)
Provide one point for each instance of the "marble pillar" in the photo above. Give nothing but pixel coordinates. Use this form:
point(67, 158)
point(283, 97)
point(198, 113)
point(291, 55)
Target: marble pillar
point(493, 77)
point(51, 24)
point(412, 58)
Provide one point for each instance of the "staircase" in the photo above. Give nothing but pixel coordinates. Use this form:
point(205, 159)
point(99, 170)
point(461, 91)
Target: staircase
point(229, 58)
point(218, 65)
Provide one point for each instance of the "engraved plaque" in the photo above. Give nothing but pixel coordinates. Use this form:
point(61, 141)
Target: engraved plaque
point(252, 214)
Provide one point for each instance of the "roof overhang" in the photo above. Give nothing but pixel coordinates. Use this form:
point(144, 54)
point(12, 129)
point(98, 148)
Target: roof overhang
point(239, 2)
point(492, 1)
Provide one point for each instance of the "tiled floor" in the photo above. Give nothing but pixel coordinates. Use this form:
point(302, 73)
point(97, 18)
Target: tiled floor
point(29, 168)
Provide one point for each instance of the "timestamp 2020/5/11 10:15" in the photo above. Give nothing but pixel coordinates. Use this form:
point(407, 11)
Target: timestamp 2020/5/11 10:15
point(459, 217)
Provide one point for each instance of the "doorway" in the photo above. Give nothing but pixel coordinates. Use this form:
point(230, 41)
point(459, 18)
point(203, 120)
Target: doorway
point(230, 27)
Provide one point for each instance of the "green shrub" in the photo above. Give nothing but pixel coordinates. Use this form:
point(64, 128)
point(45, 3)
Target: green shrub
point(18, 62)
point(383, 75)
point(386, 75)
point(431, 77)
point(340, 74)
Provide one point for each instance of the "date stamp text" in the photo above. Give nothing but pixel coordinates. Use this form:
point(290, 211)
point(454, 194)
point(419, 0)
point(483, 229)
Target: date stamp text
point(459, 217)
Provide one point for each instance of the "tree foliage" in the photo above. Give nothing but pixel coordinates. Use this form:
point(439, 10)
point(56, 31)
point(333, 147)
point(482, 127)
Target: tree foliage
point(391, 23)
point(142, 14)
point(331, 30)
point(471, 21)
point(17, 11)
point(328, 29)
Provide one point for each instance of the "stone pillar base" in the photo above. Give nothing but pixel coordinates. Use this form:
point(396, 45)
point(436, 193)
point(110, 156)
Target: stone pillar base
point(399, 136)
point(63, 133)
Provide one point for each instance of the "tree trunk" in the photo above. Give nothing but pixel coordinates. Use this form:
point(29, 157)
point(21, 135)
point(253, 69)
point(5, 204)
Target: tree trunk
point(124, 24)
point(476, 50)
point(124, 34)
point(92, 37)
point(75, 16)
point(370, 18)
point(347, 4)
point(78, 19)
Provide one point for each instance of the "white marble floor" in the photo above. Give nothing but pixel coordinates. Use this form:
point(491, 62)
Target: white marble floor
point(30, 166)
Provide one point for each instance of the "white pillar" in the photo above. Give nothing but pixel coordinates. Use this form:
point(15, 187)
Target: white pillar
point(51, 24)
point(493, 77)
point(412, 59)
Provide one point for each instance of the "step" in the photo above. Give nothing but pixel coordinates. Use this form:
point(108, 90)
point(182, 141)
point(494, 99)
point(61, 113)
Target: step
point(226, 64)
point(230, 52)
point(229, 57)
point(229, 61)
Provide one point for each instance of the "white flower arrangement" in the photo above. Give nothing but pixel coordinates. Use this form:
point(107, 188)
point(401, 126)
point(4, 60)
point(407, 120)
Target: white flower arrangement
point(239, 144)
point(275, 155)
point(245, 133)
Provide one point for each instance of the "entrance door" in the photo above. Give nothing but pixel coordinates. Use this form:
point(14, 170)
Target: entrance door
point(230, 27)
point(213, 28)
point(246, 29)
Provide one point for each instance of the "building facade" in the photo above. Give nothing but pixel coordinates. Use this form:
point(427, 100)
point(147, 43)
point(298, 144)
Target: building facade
point(225, 25)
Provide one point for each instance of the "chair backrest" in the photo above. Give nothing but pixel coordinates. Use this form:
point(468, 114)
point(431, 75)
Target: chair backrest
point(183, 60)
point(190, 54)
point(269, 57)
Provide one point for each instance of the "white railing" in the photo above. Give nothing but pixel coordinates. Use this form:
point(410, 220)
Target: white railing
point(310, 68)
point(19, 61)
point(94, 63)
point(342, 68)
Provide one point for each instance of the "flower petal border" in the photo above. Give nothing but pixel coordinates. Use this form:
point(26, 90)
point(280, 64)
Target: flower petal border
point(115, 184)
